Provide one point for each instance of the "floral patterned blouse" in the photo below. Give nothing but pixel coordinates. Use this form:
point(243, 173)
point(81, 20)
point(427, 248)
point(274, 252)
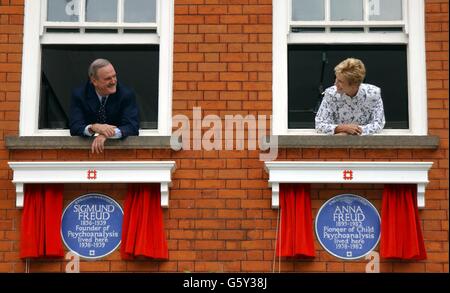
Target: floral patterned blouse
point(364, 109)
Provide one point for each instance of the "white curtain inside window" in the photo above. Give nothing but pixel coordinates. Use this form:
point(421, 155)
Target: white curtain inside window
point(140, 10)
point(101, 10)
point(308, 10)
point(342, 10)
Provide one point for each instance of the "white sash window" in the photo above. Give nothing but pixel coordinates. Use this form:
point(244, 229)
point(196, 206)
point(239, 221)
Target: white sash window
point(56, 30)
point(307, 33)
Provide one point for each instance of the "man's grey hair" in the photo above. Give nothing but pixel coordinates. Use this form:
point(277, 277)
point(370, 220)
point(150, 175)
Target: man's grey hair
point(96, 65)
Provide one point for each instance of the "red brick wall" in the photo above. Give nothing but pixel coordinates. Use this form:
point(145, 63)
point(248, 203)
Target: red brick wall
point(220, 217)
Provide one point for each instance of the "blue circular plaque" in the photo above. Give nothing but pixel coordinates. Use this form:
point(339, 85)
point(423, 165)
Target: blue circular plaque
point(92, 225)
point(348, 226)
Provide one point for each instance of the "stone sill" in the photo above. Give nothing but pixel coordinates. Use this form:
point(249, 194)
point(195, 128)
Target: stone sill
point(284, 141)
point(75, 142)
point(359, 142)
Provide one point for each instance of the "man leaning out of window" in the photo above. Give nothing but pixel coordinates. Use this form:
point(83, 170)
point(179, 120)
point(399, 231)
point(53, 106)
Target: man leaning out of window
point(351, 107)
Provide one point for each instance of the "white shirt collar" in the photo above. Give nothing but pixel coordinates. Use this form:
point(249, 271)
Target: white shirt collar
point(100, 96)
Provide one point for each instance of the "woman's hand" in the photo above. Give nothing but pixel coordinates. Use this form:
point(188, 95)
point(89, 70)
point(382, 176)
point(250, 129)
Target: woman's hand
point(352, 129)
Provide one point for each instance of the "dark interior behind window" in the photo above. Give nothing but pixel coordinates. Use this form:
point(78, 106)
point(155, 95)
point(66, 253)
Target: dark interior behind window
point(386, 67)
point(64, 67)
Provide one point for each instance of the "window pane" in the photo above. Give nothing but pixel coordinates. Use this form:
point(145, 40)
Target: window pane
point(140, 11)
point(63, 10)
point(101, 10)
point(385, 9)
point(346, 9)
point(308, 10)
point(64, 67)
point(386, 68)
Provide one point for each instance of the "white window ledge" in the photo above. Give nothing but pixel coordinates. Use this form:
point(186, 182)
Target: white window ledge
point(93, 172)
point(348, 172)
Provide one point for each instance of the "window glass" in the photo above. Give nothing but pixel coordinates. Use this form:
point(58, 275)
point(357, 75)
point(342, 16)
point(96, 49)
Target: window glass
point(311, 71)
point(385, 9)
point(64, 67)
point(308, 10)
point(63, 10)
point(342, 10)
point(101, 10)
point(140, 11)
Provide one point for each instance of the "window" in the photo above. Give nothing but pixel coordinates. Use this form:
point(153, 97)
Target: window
point(314, 65)
point(62, 37)
point(130, 62)
point(310, 37)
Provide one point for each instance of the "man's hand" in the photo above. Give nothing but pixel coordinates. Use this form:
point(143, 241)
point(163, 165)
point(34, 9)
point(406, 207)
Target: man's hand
point(104, 129)
point(351, 129)
point(98, 145)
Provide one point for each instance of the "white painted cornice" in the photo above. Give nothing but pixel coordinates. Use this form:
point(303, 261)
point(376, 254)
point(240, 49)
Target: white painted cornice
point(93, 172)
point(339, 172)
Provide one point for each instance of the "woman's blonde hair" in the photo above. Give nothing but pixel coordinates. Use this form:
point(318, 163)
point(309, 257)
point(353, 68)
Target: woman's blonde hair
point(352, 69)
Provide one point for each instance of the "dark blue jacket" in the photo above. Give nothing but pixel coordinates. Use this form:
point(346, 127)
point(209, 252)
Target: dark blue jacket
point(121, 110)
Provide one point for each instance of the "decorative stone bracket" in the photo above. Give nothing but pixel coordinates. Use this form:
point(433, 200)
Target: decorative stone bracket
point(348, 172)
point(93, 172)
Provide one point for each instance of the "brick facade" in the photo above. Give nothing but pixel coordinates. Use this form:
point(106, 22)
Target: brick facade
point(220, 217)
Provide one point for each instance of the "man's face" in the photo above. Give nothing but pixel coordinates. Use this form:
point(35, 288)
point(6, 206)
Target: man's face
point(344, 87)
point(106, 81)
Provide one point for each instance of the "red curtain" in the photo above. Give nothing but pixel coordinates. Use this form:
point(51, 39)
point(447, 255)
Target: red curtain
point(401, 235)
point(41, 221)
point(295, 234)
point(143, 229)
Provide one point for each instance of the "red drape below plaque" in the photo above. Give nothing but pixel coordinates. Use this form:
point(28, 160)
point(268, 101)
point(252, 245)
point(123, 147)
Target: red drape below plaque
point(401, 235)
point(143, 229)
point(295, 234)
point(41, 221)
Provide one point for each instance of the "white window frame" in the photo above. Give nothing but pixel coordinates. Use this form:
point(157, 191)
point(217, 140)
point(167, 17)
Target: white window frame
point(413, 36)
point(34, 37)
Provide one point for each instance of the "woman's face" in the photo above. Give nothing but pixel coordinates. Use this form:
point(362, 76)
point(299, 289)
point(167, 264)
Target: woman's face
point(344, 87)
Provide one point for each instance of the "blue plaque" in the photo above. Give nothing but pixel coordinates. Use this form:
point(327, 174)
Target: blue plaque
point(92, 225)
point(348, 226)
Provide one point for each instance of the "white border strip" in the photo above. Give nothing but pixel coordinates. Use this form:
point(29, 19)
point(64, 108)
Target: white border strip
point(83, 172)
point(361, 172)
